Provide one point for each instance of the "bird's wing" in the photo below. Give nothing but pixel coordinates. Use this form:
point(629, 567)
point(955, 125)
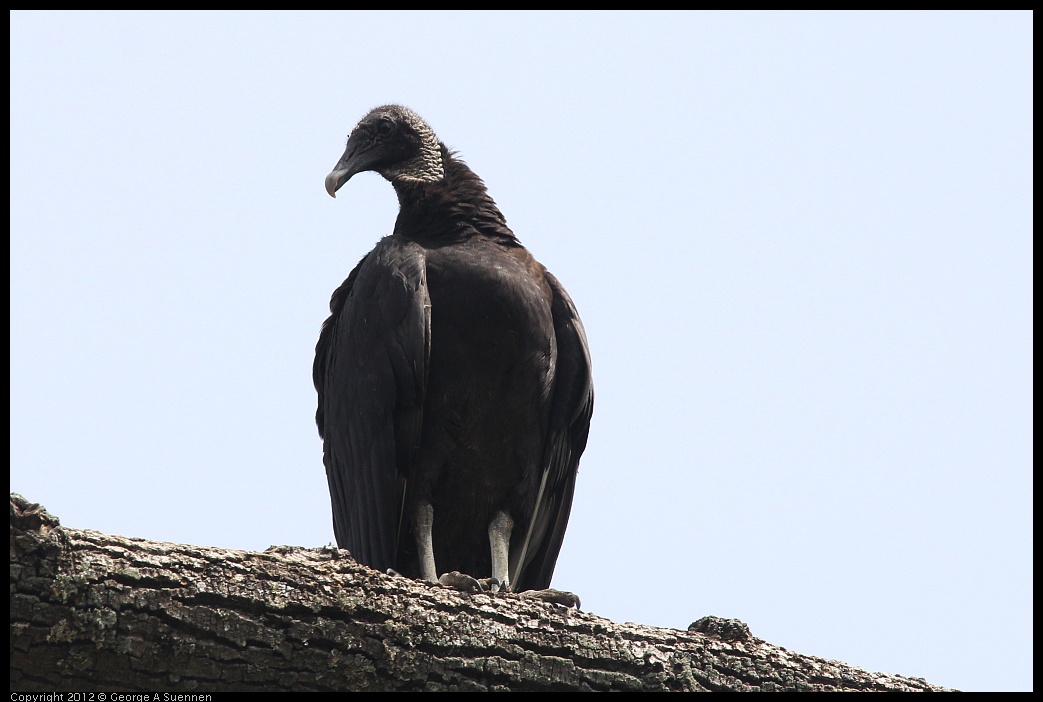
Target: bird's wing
point(569, 423)
point(371, 372)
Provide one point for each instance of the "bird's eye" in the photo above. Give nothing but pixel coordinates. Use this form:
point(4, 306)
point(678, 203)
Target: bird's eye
point(385, 126)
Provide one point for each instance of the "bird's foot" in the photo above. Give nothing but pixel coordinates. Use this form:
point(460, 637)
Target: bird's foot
point(494, 585)
point(461, 581)
point(465, 583)
point(558, 597)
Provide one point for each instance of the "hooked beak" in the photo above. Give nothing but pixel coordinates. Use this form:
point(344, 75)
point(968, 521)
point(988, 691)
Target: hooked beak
point(335, 179)
point(356, 158)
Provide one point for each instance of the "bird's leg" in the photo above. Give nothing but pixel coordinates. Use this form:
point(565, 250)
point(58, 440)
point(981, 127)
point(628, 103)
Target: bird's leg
point(500, 545)
point(423, 521)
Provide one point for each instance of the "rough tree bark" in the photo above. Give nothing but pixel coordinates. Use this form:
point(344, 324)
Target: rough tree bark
point(96, 612)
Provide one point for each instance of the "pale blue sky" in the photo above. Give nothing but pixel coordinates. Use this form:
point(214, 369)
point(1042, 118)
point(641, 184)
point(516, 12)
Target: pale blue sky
point(801, 244)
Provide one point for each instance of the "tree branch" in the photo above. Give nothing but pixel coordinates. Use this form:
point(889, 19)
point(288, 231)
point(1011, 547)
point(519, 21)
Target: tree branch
point(96, 612)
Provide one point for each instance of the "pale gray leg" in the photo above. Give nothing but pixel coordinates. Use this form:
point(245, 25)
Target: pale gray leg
point(500, 545)
point(423, 521)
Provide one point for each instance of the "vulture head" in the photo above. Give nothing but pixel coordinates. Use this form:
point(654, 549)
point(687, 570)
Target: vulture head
point(393, 141)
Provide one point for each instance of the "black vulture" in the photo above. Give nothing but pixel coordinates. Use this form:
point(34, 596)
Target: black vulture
point(453, 376)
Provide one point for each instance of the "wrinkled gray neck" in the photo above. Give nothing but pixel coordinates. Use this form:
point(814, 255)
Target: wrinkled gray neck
point(425, 167)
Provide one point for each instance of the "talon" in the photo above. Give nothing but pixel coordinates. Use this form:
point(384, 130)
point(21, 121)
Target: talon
point(460, 581)
point(490, 584)
point(558, 597)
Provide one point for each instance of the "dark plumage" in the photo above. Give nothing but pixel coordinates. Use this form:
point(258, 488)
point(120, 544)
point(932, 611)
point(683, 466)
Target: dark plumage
point(453, 377)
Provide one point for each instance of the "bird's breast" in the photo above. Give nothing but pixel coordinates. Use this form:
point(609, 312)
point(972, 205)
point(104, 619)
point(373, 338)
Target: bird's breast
point(492, 357)
point(489, 302)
